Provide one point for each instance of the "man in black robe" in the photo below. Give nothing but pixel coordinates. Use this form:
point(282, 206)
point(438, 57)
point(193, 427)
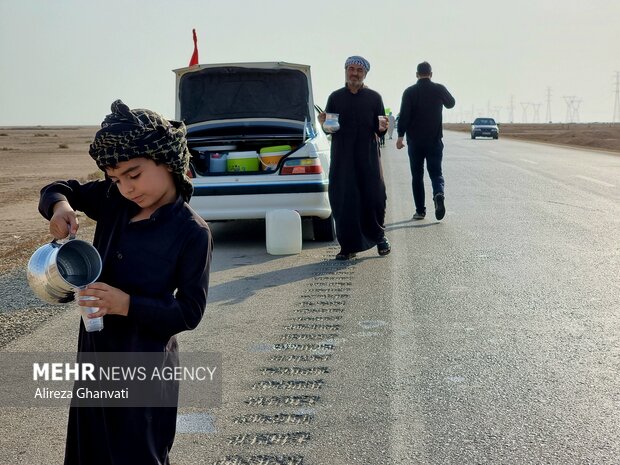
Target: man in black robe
point(356, 188)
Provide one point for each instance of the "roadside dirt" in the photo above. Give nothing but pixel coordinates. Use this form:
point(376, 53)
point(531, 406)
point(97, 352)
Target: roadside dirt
point(601, 136)
point(30, 158)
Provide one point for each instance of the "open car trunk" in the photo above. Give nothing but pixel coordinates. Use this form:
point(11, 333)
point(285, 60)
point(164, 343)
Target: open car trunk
point(241, 108)
point(226, 140)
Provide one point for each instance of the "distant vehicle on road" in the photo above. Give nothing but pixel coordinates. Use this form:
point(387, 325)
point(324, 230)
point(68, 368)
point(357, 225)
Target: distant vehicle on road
point(256, 146)
point(484, 127)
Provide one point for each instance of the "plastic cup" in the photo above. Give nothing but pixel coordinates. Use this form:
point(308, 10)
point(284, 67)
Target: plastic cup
point(383, 119)
point(331, 124)
point(90, 324)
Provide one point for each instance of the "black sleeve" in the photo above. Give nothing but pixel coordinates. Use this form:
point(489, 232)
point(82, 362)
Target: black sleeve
point(87, 197)
point(406, 109)
point(446, 97)
point(329, 108)
point(380, 112)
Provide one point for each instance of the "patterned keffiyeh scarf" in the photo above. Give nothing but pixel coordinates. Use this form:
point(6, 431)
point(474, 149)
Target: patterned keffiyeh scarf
point(357, 60)
point(126, 134)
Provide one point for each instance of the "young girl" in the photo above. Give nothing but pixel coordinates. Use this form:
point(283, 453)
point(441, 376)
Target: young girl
point(156, 253)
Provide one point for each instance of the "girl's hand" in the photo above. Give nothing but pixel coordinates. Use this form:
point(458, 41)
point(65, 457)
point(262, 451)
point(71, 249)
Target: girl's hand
point(64, 221)
point(111, 301)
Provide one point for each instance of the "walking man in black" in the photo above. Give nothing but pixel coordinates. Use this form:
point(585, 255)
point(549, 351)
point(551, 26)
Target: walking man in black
point(421, 119)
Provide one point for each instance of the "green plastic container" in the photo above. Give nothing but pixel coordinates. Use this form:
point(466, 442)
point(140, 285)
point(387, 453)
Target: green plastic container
point(242, 162)
point(275, 148)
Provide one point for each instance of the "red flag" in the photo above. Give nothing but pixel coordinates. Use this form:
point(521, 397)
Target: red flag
point(194, 60)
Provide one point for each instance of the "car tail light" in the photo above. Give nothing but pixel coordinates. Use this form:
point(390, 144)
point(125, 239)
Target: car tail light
point(302, 166)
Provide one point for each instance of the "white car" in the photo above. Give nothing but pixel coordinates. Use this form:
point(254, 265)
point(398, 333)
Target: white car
point(255, 142)
point(484, 127)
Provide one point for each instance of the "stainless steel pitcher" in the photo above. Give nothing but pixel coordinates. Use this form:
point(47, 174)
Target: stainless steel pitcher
point(56, 269)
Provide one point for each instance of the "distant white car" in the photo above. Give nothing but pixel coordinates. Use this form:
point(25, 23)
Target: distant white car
point(252, 133)
point(484, 127)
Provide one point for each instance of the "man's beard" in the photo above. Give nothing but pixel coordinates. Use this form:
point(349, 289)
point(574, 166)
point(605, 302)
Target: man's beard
point(355, 85)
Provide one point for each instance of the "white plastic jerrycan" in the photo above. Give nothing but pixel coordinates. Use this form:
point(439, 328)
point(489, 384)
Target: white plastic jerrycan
point(283, 232)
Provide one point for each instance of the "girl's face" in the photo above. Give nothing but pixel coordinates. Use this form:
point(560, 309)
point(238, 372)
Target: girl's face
point(144, 182)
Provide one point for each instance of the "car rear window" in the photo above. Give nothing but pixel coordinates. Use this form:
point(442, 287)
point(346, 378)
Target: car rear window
point(235, 92)
point(484, 121)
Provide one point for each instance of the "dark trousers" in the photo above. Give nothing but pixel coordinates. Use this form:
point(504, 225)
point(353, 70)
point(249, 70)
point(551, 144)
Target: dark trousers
point(432, 152)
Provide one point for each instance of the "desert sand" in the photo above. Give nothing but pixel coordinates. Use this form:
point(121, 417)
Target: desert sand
point(603, 136)
point(31, 157)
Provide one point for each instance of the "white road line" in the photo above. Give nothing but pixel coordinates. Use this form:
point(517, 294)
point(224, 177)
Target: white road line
point(493, 152)
point(529, 161)
point(602, 183)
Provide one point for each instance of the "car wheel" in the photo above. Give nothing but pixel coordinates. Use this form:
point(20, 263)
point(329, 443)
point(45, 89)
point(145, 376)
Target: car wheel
point(324, 229)
point(495, 137)
point(473, 137)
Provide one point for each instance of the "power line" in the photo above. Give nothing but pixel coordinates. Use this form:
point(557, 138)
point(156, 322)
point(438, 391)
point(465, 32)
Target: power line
point(536, 107)
point(548, 117)
point(497, 112)
point(572, 109)
point(616, 117)
point(525, 106)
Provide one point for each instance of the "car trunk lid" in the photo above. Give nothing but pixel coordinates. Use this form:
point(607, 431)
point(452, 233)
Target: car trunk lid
point(250, 106)
point(219, 92)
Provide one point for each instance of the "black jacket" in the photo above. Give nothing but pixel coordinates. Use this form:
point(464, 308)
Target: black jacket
point(420, 111)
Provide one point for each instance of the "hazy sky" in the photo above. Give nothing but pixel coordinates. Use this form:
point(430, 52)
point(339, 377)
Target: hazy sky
point(62, 62)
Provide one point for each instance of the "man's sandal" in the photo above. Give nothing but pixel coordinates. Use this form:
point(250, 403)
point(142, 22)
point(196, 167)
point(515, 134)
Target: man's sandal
point(345, 256)
point(383, 247)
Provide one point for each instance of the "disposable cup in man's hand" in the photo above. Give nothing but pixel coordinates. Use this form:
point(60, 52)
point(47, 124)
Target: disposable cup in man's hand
point(331, 123)
point(383, 123)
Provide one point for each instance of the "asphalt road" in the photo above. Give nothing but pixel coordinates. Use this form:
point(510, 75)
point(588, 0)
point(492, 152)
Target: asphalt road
point(491, 337)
